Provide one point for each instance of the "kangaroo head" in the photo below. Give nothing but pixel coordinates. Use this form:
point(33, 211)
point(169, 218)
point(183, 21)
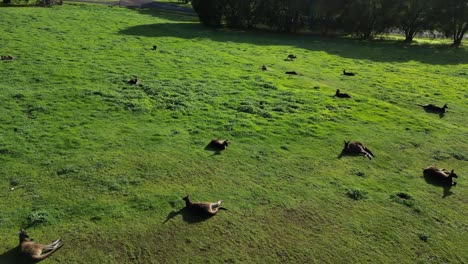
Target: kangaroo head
point(23, 236)
point(452, 174)
point(346, 144)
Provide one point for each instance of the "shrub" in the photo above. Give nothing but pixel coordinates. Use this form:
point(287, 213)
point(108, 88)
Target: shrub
point(49, 3)
point(37, 218)
point(403, 198)
point(356, 194)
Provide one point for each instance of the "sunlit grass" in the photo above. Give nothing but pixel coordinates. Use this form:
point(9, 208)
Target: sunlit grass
point(102, 163)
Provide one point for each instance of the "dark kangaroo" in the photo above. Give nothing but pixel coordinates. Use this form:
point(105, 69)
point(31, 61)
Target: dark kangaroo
point(356, 148)
point(434, 108)
point(348, 73)
point(341, 95)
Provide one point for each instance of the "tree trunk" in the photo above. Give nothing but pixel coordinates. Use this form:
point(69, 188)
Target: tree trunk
point(457, 41)
point(409, 36)
point(458, 36)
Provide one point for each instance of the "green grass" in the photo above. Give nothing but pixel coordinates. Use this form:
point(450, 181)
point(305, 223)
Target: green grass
point(104, 164)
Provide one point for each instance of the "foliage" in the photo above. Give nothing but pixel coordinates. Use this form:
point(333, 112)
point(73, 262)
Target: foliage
point(210, 12)
point(356, 194)
point(451, 17)
point(241, 13)
point(362, 18)
point(413, 16)
point(37, 218)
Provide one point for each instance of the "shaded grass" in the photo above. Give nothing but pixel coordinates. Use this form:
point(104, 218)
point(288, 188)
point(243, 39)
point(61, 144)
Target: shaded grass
point(108, 162)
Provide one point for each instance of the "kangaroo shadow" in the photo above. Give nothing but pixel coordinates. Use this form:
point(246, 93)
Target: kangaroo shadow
point(444, 185)
point(188, 216)
point(216, 151)
point(441, 115)
point(12, 256)
point(344, 154)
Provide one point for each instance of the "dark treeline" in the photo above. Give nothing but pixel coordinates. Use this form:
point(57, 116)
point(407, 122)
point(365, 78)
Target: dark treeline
point(362, 18)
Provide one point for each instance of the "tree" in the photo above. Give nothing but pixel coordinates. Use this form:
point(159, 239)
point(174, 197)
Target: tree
point(285, 15)
point(366, 18)
point(241, 13)
point(412, 17)
point(210, 12)
point(452, 19)
point(327, 14)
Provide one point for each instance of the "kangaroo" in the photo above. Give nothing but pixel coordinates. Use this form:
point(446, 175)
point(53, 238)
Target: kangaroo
point(218, 144)
point(440, 175)
point(356, 148)
point(291, 72)
point(36, 252)
point(348, 73)
point(291, 57)
point(7, 57)
point(341, 95)
point(134, 81)
point(202, 208)
point(434, 108)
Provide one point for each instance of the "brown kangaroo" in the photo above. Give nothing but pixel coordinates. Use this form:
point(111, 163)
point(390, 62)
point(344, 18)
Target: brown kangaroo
point(440, 175)
point(218, 144)
point(36, 252)
point(202, 208)
point(356, 148)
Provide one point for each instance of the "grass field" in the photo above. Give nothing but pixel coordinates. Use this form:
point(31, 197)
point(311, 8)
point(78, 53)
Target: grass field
point(104, 164)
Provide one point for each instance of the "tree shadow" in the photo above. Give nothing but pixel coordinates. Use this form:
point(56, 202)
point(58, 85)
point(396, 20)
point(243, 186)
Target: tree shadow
point(446, 186)
point(188, 216)
point(12, 256)
point(376, 50)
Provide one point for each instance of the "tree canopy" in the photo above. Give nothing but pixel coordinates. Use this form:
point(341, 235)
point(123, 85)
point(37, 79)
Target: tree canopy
point(362, 18)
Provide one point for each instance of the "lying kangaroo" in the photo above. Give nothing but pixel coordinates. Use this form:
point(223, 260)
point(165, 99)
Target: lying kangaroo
point(218, 144)
point(434, 108)
point(291, 57)
point(7, 57)
point(356, 148)
point(348, 73)
point(202, 208)
point(341, 95)
point(35, 252)
point(134, 81)
point(291, 72)
point(440, 176)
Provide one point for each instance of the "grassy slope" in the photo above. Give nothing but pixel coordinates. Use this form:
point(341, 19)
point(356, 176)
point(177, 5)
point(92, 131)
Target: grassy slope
point(107, 162)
